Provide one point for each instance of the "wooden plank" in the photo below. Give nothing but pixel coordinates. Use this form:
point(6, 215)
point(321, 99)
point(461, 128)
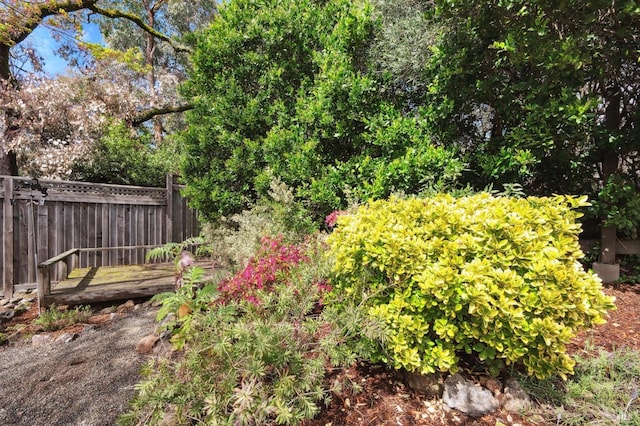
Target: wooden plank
point(104, 260)
point(109, 294)
point(30, 260)
point(150, 225)
point(92, 240)
point(101, 199)
point(169, 210)
point(608, 245)
point(83, 278)
point(59, 258)
point(113, 233)
point(120, 231)
point(82, 232)
point(44, 285)
point(21, 253)
point(68, 225)
point(140, 233)
point(7, 239)
point(628, 247)
point(43, 233)
point(178, 221)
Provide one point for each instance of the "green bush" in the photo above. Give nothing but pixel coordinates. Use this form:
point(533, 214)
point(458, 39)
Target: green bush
point(479, 279)
point(283, 89)
point(236, 239)
point(124, 159)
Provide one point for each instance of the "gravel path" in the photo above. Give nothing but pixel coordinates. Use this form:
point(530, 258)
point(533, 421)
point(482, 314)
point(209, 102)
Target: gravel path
point(88, 381)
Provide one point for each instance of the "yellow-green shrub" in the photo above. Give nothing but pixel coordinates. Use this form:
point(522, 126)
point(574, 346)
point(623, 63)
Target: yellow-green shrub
point(493, 281)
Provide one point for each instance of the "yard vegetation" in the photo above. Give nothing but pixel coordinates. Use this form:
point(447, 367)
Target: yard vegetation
point(392, 183)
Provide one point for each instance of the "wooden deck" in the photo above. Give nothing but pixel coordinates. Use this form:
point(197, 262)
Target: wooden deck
point(80, 286)
point(108, 283)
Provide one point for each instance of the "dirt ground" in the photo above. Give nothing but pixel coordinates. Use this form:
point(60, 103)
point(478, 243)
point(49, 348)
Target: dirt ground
point(90, 380)
point(87, 381)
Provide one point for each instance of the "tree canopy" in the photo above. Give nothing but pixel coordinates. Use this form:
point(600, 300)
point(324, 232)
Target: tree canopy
point(284, 89)
point(48, 123)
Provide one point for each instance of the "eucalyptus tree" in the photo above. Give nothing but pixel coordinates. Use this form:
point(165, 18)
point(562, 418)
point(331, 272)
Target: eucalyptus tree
point(165, 66)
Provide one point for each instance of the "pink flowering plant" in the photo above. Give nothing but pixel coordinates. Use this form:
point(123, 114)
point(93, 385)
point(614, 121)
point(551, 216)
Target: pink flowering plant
point(276, 263)
point(332, 218)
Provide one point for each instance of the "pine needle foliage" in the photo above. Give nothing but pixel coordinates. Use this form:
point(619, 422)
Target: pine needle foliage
point(244, 363)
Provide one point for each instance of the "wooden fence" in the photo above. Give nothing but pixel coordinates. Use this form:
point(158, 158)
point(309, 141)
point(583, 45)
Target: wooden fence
point(43, 219)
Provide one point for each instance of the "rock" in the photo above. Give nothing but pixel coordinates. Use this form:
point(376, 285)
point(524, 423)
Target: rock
point(515, 398)
point(146, 344)
point(66, 337)
point(23, 306)
point(6, 313)
point(40, 339)
point(107, 310)
point(4, 302)
point(432, 385)
point(491, 383)
point(468, 397)
point(128, 305)
point(29, 298)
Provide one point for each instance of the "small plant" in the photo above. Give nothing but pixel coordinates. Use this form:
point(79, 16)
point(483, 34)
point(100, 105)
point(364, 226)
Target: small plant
point(269, 266)
point(191, 298)
point(172, 251)
point(54, 318)
point(236, 239)
point(603, 390)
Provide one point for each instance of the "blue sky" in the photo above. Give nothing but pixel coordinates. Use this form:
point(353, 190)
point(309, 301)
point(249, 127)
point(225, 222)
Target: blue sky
point(46, 46)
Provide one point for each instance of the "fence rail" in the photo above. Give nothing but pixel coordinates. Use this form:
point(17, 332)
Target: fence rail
point(41, 219)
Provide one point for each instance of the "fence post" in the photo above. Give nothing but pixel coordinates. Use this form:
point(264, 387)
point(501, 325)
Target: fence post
point(169, 236)
point(606, 267)
point(7, 238)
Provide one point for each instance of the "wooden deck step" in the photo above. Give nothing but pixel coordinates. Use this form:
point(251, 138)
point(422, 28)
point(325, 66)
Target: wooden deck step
point(108, 283)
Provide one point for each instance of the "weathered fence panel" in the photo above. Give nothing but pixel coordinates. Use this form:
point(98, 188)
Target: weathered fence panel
point(41, 219)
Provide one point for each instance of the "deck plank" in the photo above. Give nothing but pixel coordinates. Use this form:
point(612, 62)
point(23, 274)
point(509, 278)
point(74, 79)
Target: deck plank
point(109, 283)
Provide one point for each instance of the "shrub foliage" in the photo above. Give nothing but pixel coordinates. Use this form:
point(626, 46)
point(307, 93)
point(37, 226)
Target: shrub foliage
point(252, 356)
point(492, 281)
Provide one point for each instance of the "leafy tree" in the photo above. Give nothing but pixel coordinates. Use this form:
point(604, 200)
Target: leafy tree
point(121, 158)
point(533, 92)
point(284, 90)
point(164, 66)
point(20, 18)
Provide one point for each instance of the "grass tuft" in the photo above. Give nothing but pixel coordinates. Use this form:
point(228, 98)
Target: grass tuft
point(604, 391)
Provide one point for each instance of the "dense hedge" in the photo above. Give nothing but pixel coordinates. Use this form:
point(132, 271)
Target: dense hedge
point(490, 281)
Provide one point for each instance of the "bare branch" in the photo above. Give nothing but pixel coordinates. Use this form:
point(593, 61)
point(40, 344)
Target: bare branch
point(113, 13)
point(154, 112)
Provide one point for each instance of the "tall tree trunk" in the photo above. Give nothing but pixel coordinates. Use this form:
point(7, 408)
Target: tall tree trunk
point(8, 164)
point(151, 76)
